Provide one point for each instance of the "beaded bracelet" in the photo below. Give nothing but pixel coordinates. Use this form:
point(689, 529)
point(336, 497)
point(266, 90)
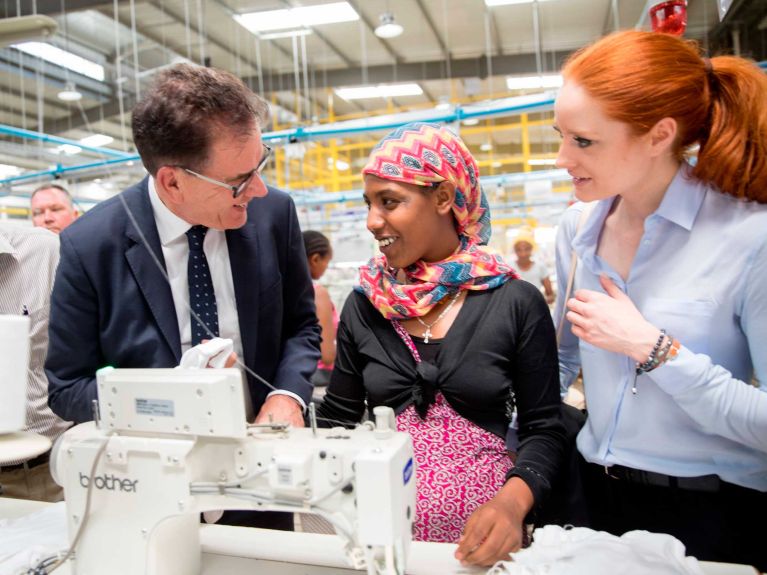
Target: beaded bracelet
point(649, 364)
point(658, 357)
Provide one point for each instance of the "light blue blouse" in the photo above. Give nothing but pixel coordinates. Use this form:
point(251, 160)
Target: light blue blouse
point(700, 272)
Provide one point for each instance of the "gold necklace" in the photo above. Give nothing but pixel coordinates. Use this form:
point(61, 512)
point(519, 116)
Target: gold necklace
point(428, 326)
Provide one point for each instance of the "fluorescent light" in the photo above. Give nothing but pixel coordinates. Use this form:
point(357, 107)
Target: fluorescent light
point(379, 91)
point(533, 82)
point(471, 121)
point(8, 171)
point(492, 3)
point(342, 166)
point(62, 58)
point(97, 140)
point(68, 149)
point(302, 16)
point(288, 34)
point(486, 147)
point(542, 161)
point(497, 164)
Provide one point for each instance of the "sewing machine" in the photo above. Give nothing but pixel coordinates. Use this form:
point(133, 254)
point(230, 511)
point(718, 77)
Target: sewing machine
point(171, 443)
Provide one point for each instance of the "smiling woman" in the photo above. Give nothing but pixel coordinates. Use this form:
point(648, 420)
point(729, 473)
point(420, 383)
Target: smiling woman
point(669, 317)
point(442, 331)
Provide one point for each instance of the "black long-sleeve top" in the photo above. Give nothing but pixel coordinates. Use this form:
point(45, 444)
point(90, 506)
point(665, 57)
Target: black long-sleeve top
point(502, 341)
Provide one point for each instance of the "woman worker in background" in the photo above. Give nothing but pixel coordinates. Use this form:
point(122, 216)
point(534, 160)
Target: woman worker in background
point(669, 317)
point(318, 255)
point(443, 332)
point(530, 270)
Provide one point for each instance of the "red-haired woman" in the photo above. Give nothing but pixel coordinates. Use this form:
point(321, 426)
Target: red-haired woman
point(669, 315)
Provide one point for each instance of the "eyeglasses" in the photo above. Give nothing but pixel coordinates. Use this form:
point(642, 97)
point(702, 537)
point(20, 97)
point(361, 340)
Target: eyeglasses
point(242, 186)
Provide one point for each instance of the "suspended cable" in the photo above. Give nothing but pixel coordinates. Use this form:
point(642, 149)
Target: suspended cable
point(118, 74)
point(187, 31)
point(201, 33)
point(134, 38)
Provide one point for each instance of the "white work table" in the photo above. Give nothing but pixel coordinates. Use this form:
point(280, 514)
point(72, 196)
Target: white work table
point(242, 551)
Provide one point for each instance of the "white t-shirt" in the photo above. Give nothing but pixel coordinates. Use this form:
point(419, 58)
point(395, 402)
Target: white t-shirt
point(535, 275)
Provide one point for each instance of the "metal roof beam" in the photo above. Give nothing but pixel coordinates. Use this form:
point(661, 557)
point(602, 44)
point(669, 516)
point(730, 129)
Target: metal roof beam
point(445, 52)
point(509, 64)
point(54, 7)
point(85, 117)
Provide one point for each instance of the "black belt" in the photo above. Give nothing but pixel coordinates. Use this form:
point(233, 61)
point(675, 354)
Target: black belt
point(34, 462)
point(707, 483)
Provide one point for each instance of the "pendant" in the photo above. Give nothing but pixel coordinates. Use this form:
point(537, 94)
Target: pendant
point(427, 335)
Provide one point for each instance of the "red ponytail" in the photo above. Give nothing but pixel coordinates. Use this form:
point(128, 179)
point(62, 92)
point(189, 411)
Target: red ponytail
point(643, 77)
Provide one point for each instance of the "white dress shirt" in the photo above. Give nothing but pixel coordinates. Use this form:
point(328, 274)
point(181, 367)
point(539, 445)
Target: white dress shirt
point(700, 273)
point(175, 249)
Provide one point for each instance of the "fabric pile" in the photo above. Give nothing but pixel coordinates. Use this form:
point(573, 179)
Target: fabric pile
point(581, 551)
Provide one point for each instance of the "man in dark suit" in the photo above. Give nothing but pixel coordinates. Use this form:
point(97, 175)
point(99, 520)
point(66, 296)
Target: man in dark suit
point(121, 295)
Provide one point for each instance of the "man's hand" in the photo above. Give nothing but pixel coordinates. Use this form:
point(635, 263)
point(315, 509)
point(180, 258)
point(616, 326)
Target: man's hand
point(611, 321)
point(230, 361)
point(283, 409)
point(495, 529)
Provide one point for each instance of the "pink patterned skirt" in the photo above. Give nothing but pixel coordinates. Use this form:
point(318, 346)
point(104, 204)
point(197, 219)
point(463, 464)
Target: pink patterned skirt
point(459, 466)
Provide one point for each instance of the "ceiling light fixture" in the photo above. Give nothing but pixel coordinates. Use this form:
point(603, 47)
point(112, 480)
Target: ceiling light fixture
point(493, 3)
point(542, 161)
point(97, 140)
point(533, 82)
point(69, 93)
point(388, 28)
point(54, 55)
point(379, 91)
point(68, 149)
point(286, 34)
point(308, 16)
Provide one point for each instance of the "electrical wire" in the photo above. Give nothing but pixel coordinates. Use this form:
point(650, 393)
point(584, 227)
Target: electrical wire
point(86, 513)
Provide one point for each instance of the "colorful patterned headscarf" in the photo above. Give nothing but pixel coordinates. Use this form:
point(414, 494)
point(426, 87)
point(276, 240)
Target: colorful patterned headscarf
point(424, 154)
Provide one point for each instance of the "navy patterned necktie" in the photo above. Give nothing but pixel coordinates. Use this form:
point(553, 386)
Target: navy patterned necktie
point(202, 299)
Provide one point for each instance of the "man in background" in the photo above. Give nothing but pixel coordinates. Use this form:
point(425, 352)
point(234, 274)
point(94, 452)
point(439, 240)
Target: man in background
point(28, 259)
point(52, 208)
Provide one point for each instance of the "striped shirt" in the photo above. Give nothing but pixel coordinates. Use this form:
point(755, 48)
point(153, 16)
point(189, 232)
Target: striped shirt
point(28, 260)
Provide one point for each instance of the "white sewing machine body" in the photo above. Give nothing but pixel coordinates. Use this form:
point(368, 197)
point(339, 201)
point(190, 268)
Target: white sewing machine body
point(177, 444)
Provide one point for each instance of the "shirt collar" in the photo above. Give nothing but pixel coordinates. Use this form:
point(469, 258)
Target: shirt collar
point(683, 198)
point(170, 227)
point(680, 205)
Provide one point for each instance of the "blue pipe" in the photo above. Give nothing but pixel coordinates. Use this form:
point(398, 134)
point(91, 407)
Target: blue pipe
point(458, 114)
point(301, 133)
point(59, 170)
point(30, 135)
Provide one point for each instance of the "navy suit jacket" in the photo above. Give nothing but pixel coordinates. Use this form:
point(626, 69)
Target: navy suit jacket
point(112, 305)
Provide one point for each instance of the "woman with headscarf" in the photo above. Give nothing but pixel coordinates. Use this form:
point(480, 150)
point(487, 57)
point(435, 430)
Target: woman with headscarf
point(442, 331)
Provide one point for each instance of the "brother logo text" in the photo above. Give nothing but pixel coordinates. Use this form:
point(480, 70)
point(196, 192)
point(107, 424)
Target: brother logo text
point(110, 483)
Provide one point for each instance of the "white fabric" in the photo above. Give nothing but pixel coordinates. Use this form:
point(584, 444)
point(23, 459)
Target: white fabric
point(213, 353)
point(581, 551)
point(27, 540)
